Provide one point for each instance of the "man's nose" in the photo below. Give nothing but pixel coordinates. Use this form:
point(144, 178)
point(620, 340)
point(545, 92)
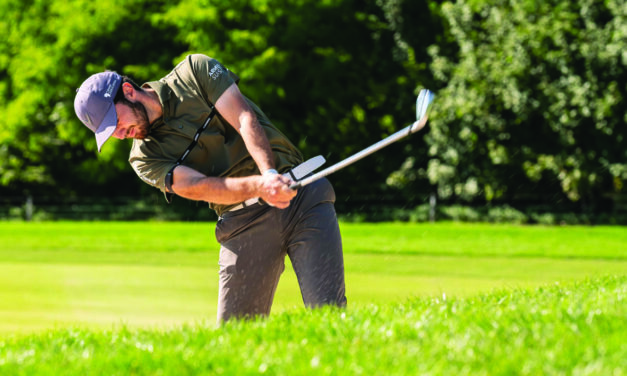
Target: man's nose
point(119, 134)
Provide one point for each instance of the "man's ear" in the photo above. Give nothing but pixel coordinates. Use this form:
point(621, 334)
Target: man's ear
point(129, 92)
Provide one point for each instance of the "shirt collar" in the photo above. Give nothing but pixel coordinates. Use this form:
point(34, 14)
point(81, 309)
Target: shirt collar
point(164, 93)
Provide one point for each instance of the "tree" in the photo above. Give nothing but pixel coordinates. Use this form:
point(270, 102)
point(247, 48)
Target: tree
point(532, 100)
point(324, 71)
point(48, 49)
point(333, 75)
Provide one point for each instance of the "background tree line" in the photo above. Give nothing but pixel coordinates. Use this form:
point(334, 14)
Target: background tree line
point(530, 103)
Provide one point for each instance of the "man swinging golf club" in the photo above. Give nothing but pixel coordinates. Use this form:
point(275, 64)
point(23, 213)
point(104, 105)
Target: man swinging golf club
point(196, 136)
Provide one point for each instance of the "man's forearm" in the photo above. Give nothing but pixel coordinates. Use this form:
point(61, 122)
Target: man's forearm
point(192, 185)
point(256, 141)
point(237, 112)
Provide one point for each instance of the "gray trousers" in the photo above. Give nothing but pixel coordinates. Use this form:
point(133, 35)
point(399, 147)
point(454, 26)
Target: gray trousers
point(255, 240)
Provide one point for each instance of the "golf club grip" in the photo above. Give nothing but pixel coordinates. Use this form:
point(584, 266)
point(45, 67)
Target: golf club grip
point(313, 178)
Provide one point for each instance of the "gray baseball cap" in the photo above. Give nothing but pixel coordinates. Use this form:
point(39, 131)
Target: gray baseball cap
point(94, 104)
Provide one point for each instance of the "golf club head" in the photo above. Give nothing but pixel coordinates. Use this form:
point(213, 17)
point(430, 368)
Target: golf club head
point(423, 104)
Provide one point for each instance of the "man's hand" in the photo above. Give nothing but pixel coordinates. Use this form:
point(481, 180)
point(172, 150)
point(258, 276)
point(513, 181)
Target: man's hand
point(275, 190)
point(272, 188)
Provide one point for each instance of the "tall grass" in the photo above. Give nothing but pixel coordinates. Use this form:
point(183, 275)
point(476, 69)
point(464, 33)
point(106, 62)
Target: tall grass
point(574, 329)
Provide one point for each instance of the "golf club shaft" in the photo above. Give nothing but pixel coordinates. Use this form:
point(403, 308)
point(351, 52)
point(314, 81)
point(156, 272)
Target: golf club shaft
point(354, 158)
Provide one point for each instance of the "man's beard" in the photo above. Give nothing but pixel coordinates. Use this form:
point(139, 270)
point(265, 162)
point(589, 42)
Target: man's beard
point(143, 124)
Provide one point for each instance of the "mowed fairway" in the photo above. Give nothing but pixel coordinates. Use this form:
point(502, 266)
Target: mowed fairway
point(155, 274)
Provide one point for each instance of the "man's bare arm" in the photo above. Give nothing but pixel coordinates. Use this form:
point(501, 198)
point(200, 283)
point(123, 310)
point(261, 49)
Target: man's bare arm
point(233, 107)
point(193, 185)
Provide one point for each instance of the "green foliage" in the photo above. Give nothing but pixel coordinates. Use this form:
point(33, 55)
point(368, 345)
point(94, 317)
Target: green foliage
point(530, 95)
point(533, 100)
point(335, 76)
point(506, 214)
point(49, 48)
point(460, 213)
point(324, 71)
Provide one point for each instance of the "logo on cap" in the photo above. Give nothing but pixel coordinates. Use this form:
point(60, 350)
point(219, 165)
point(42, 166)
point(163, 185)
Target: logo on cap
point(110, 90)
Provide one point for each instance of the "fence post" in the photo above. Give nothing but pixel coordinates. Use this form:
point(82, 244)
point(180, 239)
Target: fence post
point(432, 203)
point(28, 208)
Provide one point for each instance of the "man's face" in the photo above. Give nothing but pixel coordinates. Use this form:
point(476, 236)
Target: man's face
point(132, 120)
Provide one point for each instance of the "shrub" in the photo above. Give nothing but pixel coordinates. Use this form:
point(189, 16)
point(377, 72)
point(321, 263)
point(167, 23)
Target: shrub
point(506, 214)
point(460, 213)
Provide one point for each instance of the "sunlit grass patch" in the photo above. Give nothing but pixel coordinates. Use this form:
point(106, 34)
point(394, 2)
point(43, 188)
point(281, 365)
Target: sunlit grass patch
point(578, 328)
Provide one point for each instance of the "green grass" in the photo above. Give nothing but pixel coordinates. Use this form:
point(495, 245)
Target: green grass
point(124, 298)
point(577, 328)
point(109, 238)
point(160, 275)
point(600, 242)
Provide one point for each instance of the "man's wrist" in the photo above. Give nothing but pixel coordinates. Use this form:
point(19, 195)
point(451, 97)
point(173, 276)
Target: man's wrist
point(270, 171)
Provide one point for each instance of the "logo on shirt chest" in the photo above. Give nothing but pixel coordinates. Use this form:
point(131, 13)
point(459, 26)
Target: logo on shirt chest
point(215, 72)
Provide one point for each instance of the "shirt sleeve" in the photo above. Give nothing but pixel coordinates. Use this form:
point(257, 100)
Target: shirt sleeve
point(212, 77)
point(148, 166)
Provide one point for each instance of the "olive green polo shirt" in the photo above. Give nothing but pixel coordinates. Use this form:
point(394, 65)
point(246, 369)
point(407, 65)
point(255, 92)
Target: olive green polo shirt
point(185, 95)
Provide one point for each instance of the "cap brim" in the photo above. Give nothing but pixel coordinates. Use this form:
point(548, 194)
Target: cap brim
point(107, 127)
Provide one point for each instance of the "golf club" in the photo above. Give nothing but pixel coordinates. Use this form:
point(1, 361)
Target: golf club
point(425, 97)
